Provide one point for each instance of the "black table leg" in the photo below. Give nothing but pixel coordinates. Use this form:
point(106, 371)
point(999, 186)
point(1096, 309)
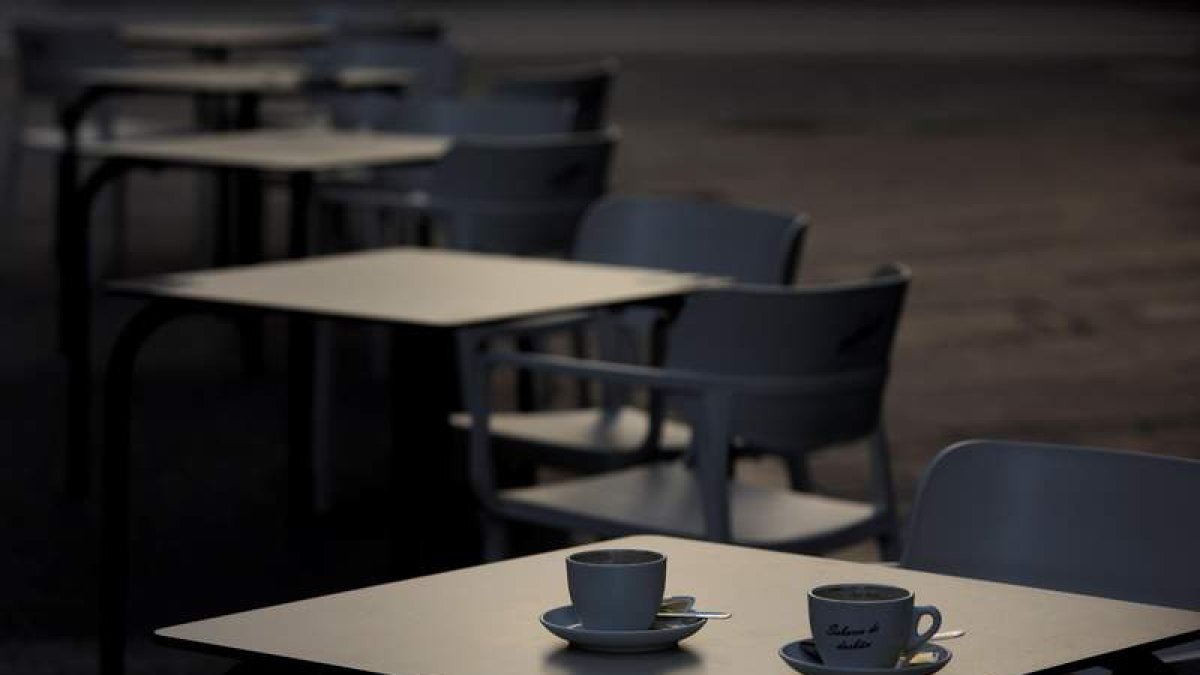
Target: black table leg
point(301, 380)
point(114, 484)
point(247, 222)
point(300, 187)
point(436, 527)
point(75, 305)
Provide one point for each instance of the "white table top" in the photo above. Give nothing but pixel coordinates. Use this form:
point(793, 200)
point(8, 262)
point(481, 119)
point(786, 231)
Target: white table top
point(420, 286)
point(239, 35)
point(279, 149)
point(238, 78)
point(424, 625)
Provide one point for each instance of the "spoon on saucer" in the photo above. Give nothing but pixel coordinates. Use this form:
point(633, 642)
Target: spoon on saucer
point(694, 614)
point(680, 607)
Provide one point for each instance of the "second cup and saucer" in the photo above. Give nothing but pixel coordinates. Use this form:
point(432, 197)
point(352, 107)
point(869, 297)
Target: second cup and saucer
point(867, 629)
point(803, 657)
point(616, 595)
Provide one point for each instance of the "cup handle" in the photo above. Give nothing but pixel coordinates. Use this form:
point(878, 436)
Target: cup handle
point(921, 638)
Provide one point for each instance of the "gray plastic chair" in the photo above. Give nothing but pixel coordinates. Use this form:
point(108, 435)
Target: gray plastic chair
point(722, 240)
point(438, 71)
point(458, 116)
point(407, 189)
point(352, 25)
point(518, 195)
point(586, 86)
point(1067, 518)
point(781, 368)
point(438, 65)
point(1083, 520)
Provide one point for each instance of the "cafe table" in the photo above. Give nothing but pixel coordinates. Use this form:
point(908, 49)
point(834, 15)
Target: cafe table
point(297, 155)
point(214, 41)
point(215, 86)
point(440, 306)
point(484, 620)
point(247, 82)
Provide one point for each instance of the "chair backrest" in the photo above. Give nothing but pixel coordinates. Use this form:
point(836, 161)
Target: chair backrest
point(466, 117)
point(438, 66)
point(519, 195)
point(746, 245)
point(773, 332)
point(1083, 520)
point(349, 24)
point(48, 55)
point(584, 85)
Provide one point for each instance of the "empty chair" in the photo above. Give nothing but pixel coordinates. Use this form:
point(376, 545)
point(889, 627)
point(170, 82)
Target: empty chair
point(518, 195)
point(407, 188)
point(586, 86)
point(783, 368)
point(458, 117)
point(721, 240)
point(437, 70)
point(352, 25)
point(1046, 515)
point(1067, 518)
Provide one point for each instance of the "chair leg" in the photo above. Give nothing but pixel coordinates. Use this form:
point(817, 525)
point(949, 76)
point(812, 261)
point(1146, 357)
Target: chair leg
point(798, 472)
point(119, 239)
point(495, 537)
point(10, 172)
point(323, 357)
point(891, 544)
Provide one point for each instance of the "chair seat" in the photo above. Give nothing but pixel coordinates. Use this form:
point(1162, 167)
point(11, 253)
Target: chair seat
point(50, 138)
point(664, 498)
point(583, 438)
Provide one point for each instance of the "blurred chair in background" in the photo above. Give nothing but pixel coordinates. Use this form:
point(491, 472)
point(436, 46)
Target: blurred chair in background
point(586, 86)
point(520, 195)
point(1066, 518)
point(348, 24)
point(721, 240)
point(405, 192)
point(782, 368)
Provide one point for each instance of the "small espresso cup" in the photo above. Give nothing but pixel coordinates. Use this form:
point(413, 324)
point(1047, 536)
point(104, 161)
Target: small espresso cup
point(616, 589)
point(867, 625)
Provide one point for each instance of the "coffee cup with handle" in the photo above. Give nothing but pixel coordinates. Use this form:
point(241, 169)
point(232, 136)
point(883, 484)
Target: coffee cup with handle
point(616, 589)
point(867, 625)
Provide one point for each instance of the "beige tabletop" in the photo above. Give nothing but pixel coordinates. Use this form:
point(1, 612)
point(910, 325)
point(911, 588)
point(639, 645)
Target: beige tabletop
point(266, 78)
point(484, 620)
point(232, 35)
point(420, 286)
point(279, 149)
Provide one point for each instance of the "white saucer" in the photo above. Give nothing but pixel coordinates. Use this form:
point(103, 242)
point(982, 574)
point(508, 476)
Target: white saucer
point(802, 656)
point(664, 634)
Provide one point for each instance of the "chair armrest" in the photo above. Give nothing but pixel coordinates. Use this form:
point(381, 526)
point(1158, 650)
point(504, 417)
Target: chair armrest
point(541, 325)
point(689, 381)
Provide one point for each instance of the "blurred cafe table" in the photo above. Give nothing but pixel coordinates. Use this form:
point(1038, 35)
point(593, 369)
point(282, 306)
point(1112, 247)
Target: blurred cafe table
point(296, 154)
point(247, 82)
point(215, 41)
point(485, 620)
point(439, 305)
point(227, 98)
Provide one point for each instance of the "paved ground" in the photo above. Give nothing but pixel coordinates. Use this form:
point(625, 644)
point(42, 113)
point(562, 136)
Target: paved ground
point(1048, 206)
